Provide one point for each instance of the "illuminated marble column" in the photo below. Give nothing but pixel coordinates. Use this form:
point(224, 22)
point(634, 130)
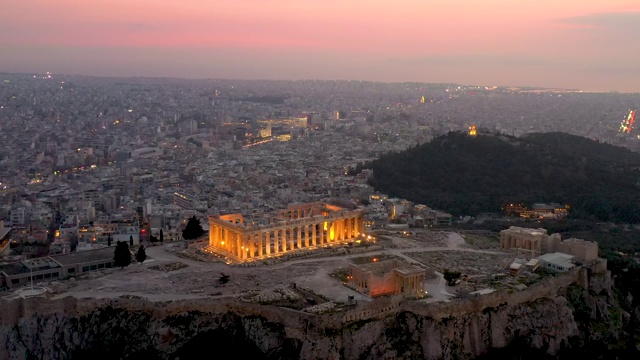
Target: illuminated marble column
point(290, 238)
point(267, 245)
point(277, 235)
point(227, 243)
point(333, 230)
point(248, 246)
point(276, 249)
point(217, 236)
point(314, 240)
point(212, 235)
point(239, 244)
point(306, 235)
point(353, 228)
point(321, 234)
point(235, 240)
point(348, 224)
point(260, 238)
point(346, 228)
point(299, 240)
point(244, 248)
point(356, 228)
point(283, 239)
point(326, 233)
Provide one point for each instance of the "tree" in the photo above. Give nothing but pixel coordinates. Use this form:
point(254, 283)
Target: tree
point(224, 278)
point(161, 236)
point(121, 255)
point(73, 244)
point(141, 255)
point(130, 240)
point(451, 276)
point(193, 230)
point(109, 240)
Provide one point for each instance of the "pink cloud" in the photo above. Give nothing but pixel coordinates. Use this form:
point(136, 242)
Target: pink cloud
point(337, 31)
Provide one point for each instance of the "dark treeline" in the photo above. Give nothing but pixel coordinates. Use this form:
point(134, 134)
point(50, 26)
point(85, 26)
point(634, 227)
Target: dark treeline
point(467, 175)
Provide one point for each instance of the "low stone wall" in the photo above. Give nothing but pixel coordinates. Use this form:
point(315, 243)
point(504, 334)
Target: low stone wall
point(546, 288)
point(14, 310)
point(387, 326)
point(379, 308)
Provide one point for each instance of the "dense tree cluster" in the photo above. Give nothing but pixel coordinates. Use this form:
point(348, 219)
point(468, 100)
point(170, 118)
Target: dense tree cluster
point(121, 255)
point(467, 175)
point(193, 230)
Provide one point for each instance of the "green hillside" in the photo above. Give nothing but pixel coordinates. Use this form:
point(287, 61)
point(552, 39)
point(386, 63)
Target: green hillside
point(470, 175)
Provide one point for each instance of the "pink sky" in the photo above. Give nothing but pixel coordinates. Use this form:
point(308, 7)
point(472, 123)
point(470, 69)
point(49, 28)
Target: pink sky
point(588, 44)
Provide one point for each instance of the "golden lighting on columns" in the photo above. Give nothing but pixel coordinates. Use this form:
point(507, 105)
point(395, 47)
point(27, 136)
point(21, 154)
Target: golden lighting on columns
point(316, 223)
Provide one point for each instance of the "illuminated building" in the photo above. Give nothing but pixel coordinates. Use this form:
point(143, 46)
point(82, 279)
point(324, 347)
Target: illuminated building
point(627, 123)
point(515, 209)
point(387, 277)
point(422, 100)
point(300, 121)
point(183, 200)
point(298, 227)
point(473, 131)
point(265, 133)
point(283, 137)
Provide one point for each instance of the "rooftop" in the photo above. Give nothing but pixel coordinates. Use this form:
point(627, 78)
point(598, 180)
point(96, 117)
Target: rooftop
point(557, 258)
point(4, 231)
point(84, 256)
point(13, 268)
point(535, 232)
point(380, 268)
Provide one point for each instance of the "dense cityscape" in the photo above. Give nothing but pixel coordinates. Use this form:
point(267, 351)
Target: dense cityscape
point(81, 152)
point(271, 173)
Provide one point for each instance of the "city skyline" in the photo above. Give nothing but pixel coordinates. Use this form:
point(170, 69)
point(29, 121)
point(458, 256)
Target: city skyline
point(576, 44)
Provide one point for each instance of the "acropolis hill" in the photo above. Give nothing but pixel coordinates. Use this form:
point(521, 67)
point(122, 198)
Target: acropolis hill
point(73, 327)
point(302, 304)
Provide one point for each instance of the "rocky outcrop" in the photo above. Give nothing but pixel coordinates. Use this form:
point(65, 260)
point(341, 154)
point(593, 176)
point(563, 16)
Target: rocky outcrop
point(548, 321)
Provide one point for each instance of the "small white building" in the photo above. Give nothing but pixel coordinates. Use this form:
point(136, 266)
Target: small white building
point(557, 262)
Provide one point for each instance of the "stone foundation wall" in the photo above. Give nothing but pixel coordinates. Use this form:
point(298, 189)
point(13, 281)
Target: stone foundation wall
point(384, 328)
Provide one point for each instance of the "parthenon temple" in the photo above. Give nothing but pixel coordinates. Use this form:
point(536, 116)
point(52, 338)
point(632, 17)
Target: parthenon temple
point(299, 226)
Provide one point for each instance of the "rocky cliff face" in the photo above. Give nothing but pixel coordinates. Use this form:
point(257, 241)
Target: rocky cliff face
point(137, 329)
